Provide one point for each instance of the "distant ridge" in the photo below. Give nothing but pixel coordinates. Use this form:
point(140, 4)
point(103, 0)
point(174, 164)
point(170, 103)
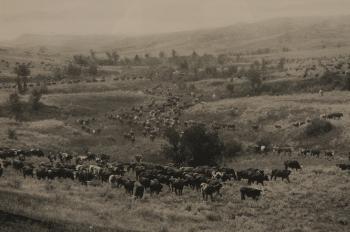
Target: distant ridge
point(293, 33)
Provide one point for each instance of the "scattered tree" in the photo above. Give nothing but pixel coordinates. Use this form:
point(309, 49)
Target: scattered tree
point(73, 70)
point(34, 99)
point(11, 134)
point(197, 146)
point(15, 105)
point(254, 78)
point(22, 71)
point(230, 88)
point(93, 70)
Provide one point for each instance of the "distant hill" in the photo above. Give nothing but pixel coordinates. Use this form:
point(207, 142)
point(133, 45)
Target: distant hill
point(292, 33)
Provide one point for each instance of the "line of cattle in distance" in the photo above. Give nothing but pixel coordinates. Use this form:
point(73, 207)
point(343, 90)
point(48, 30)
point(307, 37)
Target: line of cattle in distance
point(77, 81)
point(96, 168)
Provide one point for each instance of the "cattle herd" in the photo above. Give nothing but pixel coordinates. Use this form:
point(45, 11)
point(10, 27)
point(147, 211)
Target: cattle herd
point(138, 177)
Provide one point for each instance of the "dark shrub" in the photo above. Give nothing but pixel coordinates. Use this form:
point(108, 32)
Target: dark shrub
point(34, 99)
point(318, 127)
point(11, 133)
point(197, 146)
point(15, 105)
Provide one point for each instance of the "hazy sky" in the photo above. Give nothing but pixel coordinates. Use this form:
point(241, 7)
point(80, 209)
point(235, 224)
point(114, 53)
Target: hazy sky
point(148, 16)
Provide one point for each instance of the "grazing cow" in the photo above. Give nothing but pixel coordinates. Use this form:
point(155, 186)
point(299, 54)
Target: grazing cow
point(146, 182)
point(84, 176)
point(210, 189)
point(129, 186)
point(250, 192)
point(332, 116)
point(114, 180)
point(293, 164)
point(155, 187)
point(177, 185)
point(138, 190)
point(252, 175)
point(284, 174)
point(329, 154)
point(311, 152)
point(258, 177)
point(41, 173)
point(28, 171)
point(17, 164)
point(344, 166)
point(315, 152)
point(285, 150)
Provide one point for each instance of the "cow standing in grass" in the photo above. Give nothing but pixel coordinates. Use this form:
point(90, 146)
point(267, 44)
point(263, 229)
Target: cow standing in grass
point(284, 174)
point(293, 164)
point(250, 192)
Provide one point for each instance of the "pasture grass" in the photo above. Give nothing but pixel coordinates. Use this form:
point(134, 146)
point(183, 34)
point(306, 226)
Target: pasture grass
point(315, 200)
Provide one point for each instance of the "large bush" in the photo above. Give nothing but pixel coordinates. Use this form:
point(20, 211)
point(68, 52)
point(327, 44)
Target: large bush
point(318, 127)
point(196, 146)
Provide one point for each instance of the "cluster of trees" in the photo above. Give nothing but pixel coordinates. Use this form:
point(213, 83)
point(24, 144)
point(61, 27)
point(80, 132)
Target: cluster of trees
point(197, 146)
point(205, 66)
point(17, 107)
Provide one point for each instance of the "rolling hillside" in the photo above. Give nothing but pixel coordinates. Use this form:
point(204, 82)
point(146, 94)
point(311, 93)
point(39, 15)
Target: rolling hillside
point(294, 33)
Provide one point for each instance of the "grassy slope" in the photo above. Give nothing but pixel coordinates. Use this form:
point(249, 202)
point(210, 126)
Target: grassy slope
point(316, 200)
point(59, 129)
point(268, 111)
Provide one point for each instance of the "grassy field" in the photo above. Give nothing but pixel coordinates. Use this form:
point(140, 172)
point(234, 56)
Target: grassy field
point(316, 200)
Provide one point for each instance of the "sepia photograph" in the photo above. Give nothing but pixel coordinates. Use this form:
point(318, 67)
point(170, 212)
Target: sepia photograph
point(174, 116)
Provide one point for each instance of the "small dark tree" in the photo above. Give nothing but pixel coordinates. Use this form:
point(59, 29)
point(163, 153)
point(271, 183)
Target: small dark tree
point(281, 63)
point(161, 55)
point(34, 99)
point(173, 53)
point(92, 70)
point(230, 88)
point(22, 71)
point(137, 60)
point(57, 74)
point(232, 70)
point(254, 79)
point(11, 134)
point(115, 57)
point(73, 70)
point(222, 59)
point(15, 106)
